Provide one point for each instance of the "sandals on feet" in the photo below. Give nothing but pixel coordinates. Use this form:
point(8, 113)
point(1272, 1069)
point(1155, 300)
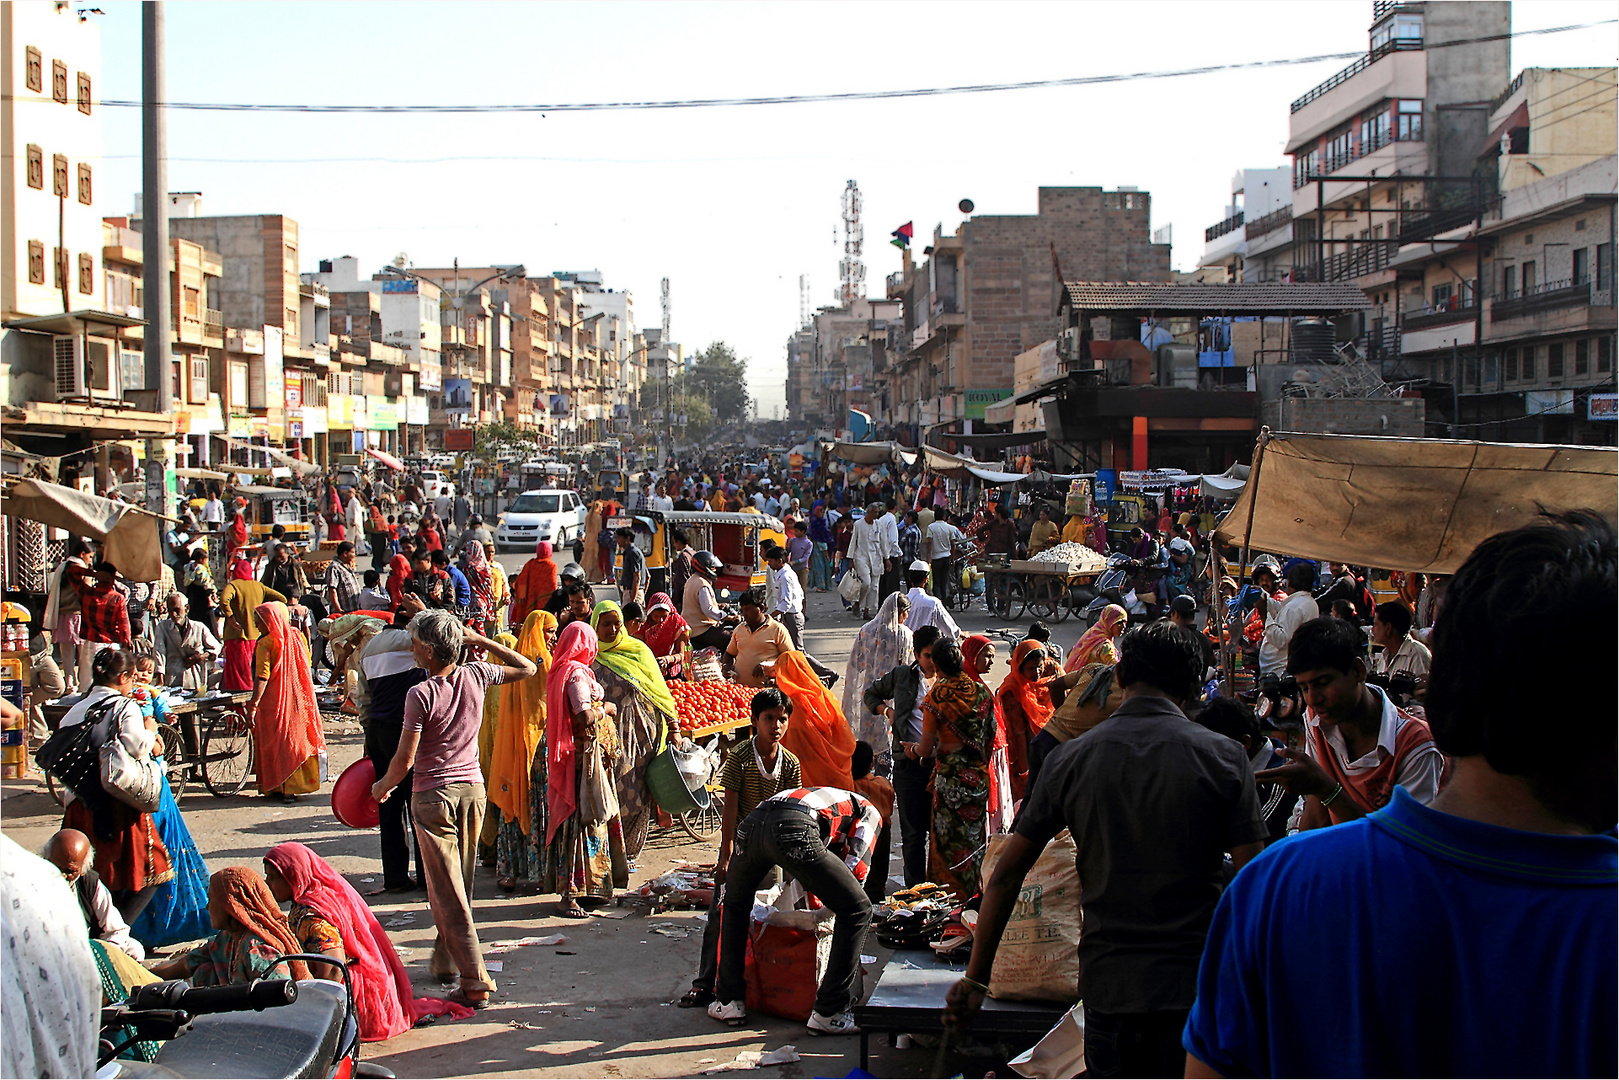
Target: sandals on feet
point(696, 998)
point(458, 996)
point(570, 909)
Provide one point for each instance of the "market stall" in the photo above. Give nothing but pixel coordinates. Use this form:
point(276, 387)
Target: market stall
point(131, 537)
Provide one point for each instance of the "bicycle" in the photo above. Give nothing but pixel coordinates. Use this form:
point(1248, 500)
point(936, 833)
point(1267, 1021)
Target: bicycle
point(228, 749)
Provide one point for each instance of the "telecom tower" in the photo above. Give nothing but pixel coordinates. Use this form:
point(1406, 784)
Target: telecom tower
point(851, 270)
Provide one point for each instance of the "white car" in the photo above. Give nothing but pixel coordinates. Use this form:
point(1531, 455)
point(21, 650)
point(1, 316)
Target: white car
point(540, 514)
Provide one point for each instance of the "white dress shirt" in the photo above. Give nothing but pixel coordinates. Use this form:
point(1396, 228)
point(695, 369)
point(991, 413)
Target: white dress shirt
point(789, 593)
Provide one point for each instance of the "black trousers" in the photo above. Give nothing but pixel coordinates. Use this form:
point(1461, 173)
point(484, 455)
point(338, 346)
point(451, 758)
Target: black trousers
point(913, 805)
point(1134, 1044)
point(715, 637)
point(941, 574)
point(398, 833)
point(779, 834)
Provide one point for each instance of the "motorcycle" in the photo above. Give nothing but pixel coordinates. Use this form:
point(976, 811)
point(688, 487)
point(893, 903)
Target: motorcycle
point(267, 1028)
point(1113, 586)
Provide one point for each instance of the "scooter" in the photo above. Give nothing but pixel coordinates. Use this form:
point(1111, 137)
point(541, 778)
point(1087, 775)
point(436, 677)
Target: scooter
point(1113, 587)
point(267, 1028)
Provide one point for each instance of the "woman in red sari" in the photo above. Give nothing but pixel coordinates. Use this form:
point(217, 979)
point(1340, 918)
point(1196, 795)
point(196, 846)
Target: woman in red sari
point(978, 652)
point(286, 715)
point(1025, 704)
point(398, 579)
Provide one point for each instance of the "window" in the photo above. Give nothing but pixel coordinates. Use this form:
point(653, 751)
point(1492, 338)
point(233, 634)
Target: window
point(1529, 277)
point(1604, 266)
point(1509, 282)
point(1492, 360)
point(1554, 360)
point(58, 175)
point(59, 278)
point(1444, 297)
point(1408, 126)
point(36, 262)
point(85, 187)
point(1604, 355)
point(199, 380)
point(1582, 357)
point(84, 93)
point(35, 73)
point(1529, 362)
point(1374, 131)
point(59, 81)
point(1512, 365)
point(1582, 265)
point(36, 167)
point(189, 303)
point(1305, 166)
point(87, 274)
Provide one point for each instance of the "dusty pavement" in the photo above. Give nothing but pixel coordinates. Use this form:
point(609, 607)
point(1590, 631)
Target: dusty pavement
point(599, 1005)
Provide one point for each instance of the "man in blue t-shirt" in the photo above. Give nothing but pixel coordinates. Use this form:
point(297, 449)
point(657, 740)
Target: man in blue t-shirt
point(1475, 936)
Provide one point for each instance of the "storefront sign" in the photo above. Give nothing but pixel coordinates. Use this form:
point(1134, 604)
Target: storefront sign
point(1602, 407)
point(979, 400)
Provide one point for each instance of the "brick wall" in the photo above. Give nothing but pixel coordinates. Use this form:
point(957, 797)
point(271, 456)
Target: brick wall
point(1009, 284)
point(1401, 417)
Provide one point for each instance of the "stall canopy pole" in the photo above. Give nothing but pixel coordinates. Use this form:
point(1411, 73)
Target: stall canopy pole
point(1242, 567)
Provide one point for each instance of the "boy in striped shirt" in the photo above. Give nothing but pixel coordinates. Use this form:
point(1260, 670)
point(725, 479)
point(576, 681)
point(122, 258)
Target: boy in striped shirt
point(823, 837)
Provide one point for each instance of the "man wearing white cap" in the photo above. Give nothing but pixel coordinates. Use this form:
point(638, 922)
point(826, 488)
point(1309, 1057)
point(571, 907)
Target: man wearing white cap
point(925, 609)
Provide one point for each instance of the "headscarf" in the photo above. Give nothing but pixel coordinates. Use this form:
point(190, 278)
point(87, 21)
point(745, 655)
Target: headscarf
point(535, 583)
point(237, 534)
point(818, 735)
point(999, 758)
point(522, 725)
point(398, 577)
point(630, 658)
point(475, 565)
point(241, 570)
point(575, 651)
point(382, 992)
point(882, 645)
point(1032, 697)
point(288, 717)
point(242, 895)
point(1095, 646)
point(967, 705)
point(661, 638)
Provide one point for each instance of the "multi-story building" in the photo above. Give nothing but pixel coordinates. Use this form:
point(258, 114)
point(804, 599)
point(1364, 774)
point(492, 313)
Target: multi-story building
point(1261, 209)
point(984, 295)
point(63, 372)
point(847, 362)
point(804, 403)
point(616, 336)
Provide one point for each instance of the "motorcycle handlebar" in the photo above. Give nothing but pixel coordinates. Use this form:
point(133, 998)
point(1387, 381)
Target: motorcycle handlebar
point(257, 995)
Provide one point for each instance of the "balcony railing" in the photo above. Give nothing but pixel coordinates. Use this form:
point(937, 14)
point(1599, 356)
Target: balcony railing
point(1229, 225)
point(1456, 309)
point(1270, 222)
point(214, 321)
point(1542, 297)
point(1396, 45)
point(1366, 258)
point(1512, 88)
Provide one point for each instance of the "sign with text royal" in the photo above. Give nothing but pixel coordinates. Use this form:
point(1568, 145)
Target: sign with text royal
point(978, 400)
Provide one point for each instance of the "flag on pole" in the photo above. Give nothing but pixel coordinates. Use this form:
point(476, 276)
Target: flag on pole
point(902, 236)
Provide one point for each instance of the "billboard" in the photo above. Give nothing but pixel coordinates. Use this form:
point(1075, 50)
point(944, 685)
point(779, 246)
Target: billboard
point(431, 376)
point(458, 439)
point(979, 400)
point(1602, 407)
point(458, 395)
point(559, 405)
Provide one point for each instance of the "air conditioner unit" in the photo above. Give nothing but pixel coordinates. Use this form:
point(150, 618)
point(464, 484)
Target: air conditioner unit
point(84, 368)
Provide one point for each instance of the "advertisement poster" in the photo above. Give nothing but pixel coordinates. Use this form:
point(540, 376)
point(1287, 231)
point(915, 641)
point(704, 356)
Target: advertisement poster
point(979, 400)
point(559, 405)
point(458, 395)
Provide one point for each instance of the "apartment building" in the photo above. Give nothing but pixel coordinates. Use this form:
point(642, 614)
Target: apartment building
point(804, 405)
point(986, 293)
point(1253, 241)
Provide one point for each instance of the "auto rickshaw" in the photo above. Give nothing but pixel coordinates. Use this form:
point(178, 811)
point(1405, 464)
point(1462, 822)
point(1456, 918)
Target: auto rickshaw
point(1125, 512)
point(268, 507)
point(736, 538)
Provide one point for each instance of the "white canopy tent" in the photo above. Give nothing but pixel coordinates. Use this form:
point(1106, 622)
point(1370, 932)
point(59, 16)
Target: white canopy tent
point(131, 537)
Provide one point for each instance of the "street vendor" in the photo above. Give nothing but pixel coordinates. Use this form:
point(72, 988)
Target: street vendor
point(757, 641)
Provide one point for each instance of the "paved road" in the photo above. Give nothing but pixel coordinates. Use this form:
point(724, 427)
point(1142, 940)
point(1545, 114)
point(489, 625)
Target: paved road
point(599, 1005)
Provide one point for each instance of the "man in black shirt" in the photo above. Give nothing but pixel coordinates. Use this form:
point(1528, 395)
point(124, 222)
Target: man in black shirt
point(1154, 803)
point(387, 672)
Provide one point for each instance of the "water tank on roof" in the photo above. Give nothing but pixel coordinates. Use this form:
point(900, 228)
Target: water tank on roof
point(1310, 342)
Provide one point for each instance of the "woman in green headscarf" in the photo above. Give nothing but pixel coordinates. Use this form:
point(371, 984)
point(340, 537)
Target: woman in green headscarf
point(629, 675)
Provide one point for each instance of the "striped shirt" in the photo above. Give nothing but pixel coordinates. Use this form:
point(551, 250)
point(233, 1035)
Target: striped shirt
point(743, 781)
point(849, 824)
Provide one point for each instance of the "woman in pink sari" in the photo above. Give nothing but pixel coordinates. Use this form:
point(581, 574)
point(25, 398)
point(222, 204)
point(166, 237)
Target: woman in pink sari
point(978, 654)
point(286, 715)
point(583, 859)
point(336, 922)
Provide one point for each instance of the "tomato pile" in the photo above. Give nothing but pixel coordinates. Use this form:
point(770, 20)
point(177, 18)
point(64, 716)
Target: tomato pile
point(704, 704)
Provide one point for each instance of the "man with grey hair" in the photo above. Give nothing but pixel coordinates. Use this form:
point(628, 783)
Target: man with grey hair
point(186, 646)
point(440, 742)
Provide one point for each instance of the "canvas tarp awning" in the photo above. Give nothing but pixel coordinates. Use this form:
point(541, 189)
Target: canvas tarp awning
point(297, 465)
point(957, 467)
point(131, 538)
point(1224, 485)
point(866, 453)
point(1408, 504)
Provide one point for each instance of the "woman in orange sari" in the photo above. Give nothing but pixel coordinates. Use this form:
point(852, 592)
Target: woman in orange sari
point(515, 759)
point(819, 735)
point(1026, 705)
point(532, 589)
point(286, 716)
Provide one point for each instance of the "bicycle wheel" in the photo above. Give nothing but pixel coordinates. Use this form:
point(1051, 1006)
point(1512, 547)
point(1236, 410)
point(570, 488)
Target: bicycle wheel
point(175, 760)
point(227, 753)
point(701, 825)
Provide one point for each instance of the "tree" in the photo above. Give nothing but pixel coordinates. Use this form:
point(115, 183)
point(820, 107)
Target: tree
point(722, 379)
point(699, 416)
point(490, 439)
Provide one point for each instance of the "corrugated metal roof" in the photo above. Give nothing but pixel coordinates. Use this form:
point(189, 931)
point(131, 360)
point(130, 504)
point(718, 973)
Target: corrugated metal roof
point(1248, 298)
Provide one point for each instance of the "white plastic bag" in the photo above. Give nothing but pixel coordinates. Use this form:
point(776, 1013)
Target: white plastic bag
point(1059, 1054)
point(598, 801)
point(851, 587)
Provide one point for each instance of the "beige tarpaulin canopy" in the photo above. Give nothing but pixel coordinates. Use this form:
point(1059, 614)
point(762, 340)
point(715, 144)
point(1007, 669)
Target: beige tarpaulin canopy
point(130, 536)
point(866, 453)
point(1407, 504)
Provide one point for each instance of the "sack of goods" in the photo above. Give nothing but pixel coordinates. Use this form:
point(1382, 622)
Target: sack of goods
point(1038, 959)
point(788, 950)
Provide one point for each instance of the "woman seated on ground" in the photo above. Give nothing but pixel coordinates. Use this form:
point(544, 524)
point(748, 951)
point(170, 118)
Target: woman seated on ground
point(251, 935)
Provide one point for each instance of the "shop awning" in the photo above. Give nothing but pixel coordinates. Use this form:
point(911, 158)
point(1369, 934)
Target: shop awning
point(294, 463)
point(1224, 485)
point(201, 474)
point(1408, 504)
point(865, 453)
point(131, 537)
point(957, 467)
point(387, 459)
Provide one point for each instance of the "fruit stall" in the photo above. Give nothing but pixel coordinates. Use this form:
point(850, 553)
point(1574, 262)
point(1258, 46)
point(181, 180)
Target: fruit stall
point(711, 707)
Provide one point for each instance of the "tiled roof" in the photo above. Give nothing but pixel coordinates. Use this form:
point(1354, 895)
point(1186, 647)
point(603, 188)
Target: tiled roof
point(1249, 298)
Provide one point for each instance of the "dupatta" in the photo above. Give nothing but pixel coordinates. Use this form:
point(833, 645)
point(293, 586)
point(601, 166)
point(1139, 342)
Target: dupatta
point(522, 725)
point(629, 657)
point(288, 716)
point(575, 651)
point(818, 735)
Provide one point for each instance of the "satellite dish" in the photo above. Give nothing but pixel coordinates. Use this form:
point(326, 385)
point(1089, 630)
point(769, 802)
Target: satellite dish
point(965, 206)
point(401, 260)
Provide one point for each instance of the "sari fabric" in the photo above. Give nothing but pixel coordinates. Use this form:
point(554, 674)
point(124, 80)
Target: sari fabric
point(521, 727)
point(1025, 707)
point(882, 645)
point(398, 578)
point(256, 932)
point(633, 660)
point(661, 639)
point(818, 735)
point(179, 909)
point(475, 565)
point(1095, 646)
point(534, 584)
point(287, 720)
point(962, 782)
point(575, 651)
point(1000, 770)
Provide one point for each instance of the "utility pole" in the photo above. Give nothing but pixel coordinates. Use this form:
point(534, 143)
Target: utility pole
point(155, 244)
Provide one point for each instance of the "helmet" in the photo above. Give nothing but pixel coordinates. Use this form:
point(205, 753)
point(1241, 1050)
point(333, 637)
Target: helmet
point(1266, 562)
point(572, 572)
point(708, 562)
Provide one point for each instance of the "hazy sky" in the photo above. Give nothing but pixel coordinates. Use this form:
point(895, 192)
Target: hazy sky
point(732, 204)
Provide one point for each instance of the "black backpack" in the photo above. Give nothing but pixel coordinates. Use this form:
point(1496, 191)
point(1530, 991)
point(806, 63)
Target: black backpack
point(72, 756)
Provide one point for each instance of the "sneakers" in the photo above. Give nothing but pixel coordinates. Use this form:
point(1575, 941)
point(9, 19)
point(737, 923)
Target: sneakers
point(731, 1012)
point(842, 1024)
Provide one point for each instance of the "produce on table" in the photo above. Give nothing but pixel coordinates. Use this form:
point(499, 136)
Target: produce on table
point(1067, 552)
point(707, 703)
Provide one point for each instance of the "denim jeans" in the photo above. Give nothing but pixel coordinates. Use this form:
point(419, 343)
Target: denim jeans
point(913, 805)
point(1134, 1044)
point(785, 835)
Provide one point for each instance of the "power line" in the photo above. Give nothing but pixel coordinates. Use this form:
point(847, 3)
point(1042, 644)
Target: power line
point(803, 99)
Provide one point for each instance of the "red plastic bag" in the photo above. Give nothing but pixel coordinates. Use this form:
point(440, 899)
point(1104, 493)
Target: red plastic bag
point(783, 970)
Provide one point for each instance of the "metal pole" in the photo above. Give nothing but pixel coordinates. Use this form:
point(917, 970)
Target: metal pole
point(155, 244)
point(1455, 392)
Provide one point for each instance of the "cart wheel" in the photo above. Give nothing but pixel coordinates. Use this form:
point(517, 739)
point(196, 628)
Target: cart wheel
point(701, 825)
point(1043, 598)
point(227, 753)
point(1013, 596)
point(176, 763)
